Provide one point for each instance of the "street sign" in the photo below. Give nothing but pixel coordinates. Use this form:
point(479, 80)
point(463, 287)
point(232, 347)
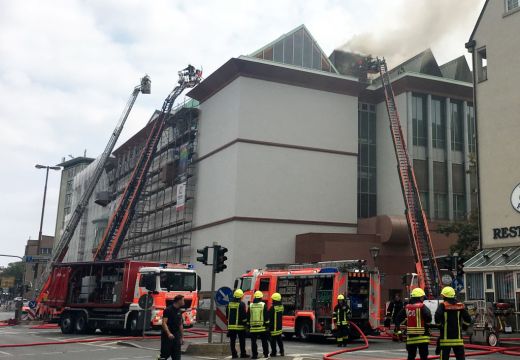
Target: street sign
point(220, 318)
point(223, 295)
point(458, 284)
point(32, 304)
point(28, 259)
point(146, 301)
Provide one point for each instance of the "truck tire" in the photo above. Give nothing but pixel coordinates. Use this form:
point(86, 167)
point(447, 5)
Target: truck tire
point(131, 325)
point(303, 329)
point(81, 324)
point(492, 339)
point(67, 323)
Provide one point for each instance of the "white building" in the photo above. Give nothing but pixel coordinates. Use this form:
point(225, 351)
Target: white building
point(494, 273)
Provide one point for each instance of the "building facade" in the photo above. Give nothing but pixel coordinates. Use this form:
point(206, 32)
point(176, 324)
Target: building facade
point(287, 145)
point(32, 257)
point(494, 273)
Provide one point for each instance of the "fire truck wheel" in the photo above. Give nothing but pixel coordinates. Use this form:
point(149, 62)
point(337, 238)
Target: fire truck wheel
point(81, 324)
point(132, 326)
point(67, 323)
point(492, 339)
point(303, 329)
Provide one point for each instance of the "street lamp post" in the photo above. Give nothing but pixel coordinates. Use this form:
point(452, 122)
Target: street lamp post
point(374, 251)
point(46, 167)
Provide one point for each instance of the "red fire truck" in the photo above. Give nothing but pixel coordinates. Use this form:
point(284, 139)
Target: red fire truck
point(111, 295)
point(309, 294)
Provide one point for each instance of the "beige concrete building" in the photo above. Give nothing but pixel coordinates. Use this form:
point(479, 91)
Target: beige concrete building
point(32, 257)
point(494, 273)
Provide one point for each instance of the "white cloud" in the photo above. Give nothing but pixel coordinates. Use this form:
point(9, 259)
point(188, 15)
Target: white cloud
point(67, 68)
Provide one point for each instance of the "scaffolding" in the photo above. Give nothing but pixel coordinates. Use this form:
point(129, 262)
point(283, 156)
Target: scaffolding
point(162, 223)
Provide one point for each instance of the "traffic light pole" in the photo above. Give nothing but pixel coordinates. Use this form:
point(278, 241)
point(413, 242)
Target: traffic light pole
point(212, 299)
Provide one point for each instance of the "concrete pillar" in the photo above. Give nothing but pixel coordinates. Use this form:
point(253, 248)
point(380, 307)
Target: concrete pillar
point(467, 139)
point(449, 159)
point(430, 155)
point(409, 125)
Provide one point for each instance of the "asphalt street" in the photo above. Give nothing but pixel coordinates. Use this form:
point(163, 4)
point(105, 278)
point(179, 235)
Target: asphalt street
point(111, 349)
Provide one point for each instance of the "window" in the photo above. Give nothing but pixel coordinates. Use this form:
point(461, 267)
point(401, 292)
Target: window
point(419, 120)
point(67, 211)
point(511, 4)
point(459, 206)
point(489, 281)
point(505, 287)
point(264, 284)
point(69, 186)
point(474, 286)
point(178, 281)
point(438, 123)
point(367, 201)
point(482, 64)
point(457, 127)
point(246, 283)
point(68, 199)
point(425, 201)
point(518, 281)
point(440, 205)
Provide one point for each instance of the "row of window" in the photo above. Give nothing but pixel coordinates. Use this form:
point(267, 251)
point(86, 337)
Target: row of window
point(497, 286)
point(438, 112)
point(367, 198)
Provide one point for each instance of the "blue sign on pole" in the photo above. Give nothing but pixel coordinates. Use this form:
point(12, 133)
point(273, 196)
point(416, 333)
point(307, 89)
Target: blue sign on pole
point(32, 304)
point(223, 295)
point(28, 259)
point(458, 284)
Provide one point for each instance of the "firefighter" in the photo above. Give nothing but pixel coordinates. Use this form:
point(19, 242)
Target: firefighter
point(417, 318)
point(258, 324)
point(237, 321)
point(341, 319)
point(452, 317)
point(395, 306)
point(275, 324)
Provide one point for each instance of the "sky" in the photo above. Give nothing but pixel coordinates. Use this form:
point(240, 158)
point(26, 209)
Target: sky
point(67, 68)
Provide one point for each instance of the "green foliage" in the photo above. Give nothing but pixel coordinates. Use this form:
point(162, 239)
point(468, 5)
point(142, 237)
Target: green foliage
point(15, 269)
point(468, 236)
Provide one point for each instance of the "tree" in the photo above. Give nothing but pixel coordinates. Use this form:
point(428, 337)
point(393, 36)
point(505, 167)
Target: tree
point(468, 236)
point(15, 269)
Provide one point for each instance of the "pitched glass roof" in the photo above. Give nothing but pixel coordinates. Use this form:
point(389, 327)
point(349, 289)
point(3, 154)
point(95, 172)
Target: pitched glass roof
point(298, 48)
point(505, 258)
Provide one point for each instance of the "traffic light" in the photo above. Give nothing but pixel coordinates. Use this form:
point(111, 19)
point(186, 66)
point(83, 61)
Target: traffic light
point(219, 258)
point(460, 267)
point(204, 258)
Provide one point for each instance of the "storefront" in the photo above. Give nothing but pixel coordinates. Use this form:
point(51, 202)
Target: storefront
point(494, 275)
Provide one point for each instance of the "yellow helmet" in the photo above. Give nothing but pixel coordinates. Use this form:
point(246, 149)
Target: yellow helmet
point(417, 293)
point(448, 292)
point(276, 297)
point(258, 295)
point(341, 297)
point(238, 293)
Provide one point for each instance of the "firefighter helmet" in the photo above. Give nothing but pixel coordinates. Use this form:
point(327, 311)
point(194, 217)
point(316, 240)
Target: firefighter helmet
point(448, 292)
point(238, 293)
point(417, 293)
point(276, 297)
point(258, 295)
point(341, 297)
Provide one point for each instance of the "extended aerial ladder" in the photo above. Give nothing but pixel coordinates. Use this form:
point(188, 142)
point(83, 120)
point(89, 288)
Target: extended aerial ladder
point(62, 246)
point(421, 243)
point(119, 223)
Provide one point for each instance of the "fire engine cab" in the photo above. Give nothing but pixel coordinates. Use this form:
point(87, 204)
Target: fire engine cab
point(309, 294)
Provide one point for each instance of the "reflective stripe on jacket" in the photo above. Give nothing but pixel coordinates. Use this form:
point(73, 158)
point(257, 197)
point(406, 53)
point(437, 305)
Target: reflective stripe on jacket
point(341, 314)
point(275, 317)
point(256, 317)
point(233, 316)
point(452, 315)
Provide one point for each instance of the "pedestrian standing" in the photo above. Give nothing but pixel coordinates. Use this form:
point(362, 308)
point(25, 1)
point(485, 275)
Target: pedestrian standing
point(452, 317)
point(237, 321)
point(275, 324)
point(172, 330)
point(417, 318)
point(341, 319)
point(258, 323)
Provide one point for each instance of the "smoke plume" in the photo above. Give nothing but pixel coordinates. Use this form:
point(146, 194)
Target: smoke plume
point(411, 26)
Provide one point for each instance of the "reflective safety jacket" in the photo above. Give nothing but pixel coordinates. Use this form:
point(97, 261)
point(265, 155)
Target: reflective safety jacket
point(417, 317)
point(452, 316)
point(258, 318)
point(275, 318)
point(236, 315)
point(341, 315)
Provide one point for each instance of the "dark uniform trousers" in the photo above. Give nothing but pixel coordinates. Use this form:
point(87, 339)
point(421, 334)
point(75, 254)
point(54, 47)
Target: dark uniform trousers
point(263, 336)
point(170, 348)
point(277, 339)
point(457, 350)
point(241, 334)
point(412, 351)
